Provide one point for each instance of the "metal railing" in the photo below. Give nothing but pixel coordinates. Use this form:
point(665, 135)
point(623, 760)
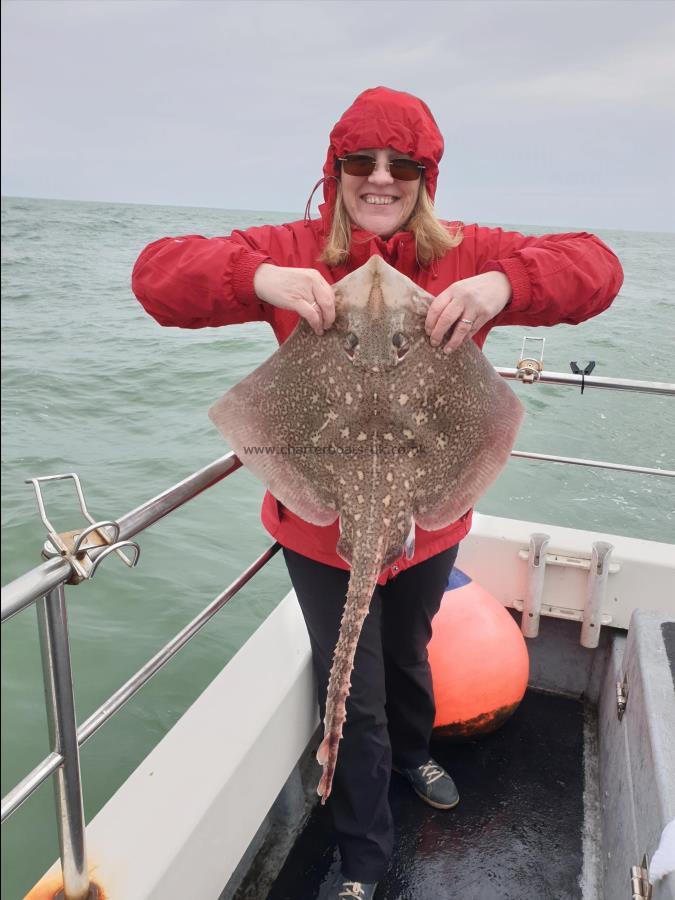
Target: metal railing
point(46, 585)
point(595, 381)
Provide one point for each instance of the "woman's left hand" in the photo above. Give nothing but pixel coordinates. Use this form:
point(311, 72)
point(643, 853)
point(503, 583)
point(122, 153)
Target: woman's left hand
point(467, 304)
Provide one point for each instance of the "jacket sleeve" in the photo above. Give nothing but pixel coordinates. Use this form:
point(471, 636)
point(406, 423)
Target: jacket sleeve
point(193, 282)
point(554, 278)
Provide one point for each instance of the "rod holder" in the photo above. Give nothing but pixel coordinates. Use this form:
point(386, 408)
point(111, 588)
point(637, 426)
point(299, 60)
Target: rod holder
point(536, 569)
point(75, 546)
point(595, 594)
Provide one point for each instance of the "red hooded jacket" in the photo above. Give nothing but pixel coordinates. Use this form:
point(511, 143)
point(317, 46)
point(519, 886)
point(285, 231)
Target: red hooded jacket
point(193, 282)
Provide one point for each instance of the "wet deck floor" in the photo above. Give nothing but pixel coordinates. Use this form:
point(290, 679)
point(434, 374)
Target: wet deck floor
point(516, 834)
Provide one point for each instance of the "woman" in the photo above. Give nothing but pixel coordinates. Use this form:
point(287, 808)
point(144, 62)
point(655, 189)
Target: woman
point(379, 184)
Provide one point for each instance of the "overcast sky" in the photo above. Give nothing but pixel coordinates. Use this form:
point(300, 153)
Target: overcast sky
point(558, 113)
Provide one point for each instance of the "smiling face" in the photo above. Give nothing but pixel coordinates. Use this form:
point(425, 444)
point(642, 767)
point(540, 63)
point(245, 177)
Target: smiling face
point(379, 203)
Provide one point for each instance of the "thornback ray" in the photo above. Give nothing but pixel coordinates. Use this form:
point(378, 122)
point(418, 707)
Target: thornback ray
point(370, 424)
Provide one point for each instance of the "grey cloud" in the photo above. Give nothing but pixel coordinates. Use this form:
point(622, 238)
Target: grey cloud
point(553, 112)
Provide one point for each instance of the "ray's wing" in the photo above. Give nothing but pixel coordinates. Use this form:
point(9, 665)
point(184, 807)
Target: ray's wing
point(465, 423)
point(276, 420)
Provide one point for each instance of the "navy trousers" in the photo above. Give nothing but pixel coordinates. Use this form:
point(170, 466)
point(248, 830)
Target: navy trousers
point(390, 709)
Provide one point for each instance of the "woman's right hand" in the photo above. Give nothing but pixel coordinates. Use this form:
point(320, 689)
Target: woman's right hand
point(305, 291)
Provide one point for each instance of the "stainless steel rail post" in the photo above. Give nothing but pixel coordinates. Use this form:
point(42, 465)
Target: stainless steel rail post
point(58, 683)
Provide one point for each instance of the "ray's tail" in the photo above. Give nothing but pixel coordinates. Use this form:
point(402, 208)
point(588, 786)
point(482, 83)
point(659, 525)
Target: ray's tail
point(366, 568)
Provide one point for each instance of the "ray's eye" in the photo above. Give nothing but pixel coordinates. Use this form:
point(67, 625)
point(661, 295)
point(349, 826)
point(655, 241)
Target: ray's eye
point(401, 343)
point(351, 343)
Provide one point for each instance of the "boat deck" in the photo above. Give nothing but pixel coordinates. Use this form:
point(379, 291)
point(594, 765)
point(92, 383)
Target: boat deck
point(515, 834)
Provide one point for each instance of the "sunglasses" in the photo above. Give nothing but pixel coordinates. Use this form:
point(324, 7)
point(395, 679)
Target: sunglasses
point(400, 169)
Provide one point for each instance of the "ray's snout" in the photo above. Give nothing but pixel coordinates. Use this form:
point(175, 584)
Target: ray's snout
point(380, 314)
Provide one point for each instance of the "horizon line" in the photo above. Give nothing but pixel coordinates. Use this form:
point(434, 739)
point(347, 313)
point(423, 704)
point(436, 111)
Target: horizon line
point(299, 215)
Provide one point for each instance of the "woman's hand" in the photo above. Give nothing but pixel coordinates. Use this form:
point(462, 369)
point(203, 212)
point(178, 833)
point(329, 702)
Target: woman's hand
point(305, 291)
point(467, 304)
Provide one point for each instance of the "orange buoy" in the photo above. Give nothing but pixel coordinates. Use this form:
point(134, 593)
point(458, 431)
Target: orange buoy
point(479, 661)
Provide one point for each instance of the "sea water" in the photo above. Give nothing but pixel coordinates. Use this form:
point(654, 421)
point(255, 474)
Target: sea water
point(92, 384)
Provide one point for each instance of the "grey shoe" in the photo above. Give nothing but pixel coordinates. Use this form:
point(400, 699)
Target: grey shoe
point(356, 890)
point(338, 887)
point(433, 784)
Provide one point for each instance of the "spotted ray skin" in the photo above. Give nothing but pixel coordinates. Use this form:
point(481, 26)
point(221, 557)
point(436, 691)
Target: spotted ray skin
point(372, 425)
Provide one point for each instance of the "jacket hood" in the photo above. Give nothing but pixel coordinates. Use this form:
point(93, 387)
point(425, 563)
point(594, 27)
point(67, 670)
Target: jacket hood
point(382, 117)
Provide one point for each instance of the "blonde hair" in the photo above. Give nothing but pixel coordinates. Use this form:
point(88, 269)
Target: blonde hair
point(433, 238)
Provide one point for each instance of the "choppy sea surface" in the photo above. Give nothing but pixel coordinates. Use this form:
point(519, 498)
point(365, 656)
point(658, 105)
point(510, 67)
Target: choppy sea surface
point(91, 384)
